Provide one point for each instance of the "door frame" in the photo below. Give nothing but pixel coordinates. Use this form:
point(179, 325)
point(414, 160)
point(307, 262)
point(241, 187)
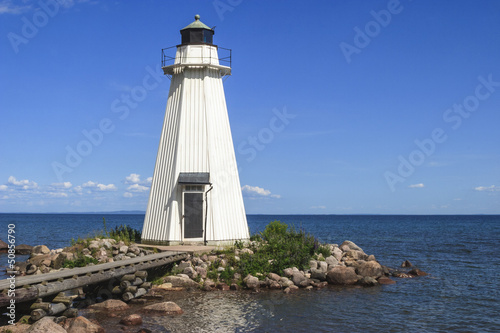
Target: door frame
point(185, 189)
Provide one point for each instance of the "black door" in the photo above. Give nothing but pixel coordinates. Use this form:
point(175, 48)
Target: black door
point(193, 215)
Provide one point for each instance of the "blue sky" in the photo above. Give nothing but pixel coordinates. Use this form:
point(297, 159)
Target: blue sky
point(384, 107)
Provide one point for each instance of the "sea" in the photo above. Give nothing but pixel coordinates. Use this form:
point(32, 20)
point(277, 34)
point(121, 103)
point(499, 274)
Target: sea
point(460, 253)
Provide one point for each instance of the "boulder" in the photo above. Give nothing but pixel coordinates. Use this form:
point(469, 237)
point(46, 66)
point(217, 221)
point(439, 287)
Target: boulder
point(323, 266)
point(406, 263)
point(183, 265)
point(23, 249)
point(251, 282)
point(83, 325)
point(341, 275)
point(181, 281)
point(288, 272)
point(286, 282)
point(40, 249)
point(290, 289)
point(274, 276)
point(313, 264)
point(386, 280)
point(189, 271)
point(352, 246)
point(274, 284)
point(371, 257)
point(298, 278)
point(202, 272)
point(123, 249)
point(318, 274)
point(331, 261)
point(337, 253)
point(368, 281)
point(45, 325)
point(132, 320)
point(371, 268)
point(110, 305)
point(165, 308)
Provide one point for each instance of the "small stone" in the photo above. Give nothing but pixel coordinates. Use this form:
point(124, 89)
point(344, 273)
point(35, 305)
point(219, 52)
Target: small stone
point(352, 246)
point(288, 272)
point(313, 264)
point(318, 274)
point(123, 249)
point(110, 305)
point(202, 272)
point(183, 265)
point(286, 282)
point(371, 257)
point(165, 286)
point(83, 325)
point(165, 308)
point(132, 320)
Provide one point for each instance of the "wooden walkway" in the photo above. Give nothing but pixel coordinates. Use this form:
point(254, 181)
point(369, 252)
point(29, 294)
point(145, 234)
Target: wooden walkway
point(34, 286)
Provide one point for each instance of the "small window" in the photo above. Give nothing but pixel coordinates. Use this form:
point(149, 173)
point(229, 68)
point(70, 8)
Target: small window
point(193, 188)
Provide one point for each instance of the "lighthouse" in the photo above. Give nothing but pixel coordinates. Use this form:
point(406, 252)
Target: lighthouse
point(195, 195)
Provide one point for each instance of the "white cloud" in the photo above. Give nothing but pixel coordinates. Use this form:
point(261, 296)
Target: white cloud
point(23, 184)
point(134, 178)
point(318, 207)
point(5, 197)
point(62, 185)
point(128, 195)
point(4, 187)
point(99, 187)
point(417, 185)
point(491, 188)
point(137, 188)
point(258, 191)
point(6, 7)
point(58, 194)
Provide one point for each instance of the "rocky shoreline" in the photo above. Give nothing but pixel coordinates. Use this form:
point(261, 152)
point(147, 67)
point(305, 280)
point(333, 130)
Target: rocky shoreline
point(346, 265)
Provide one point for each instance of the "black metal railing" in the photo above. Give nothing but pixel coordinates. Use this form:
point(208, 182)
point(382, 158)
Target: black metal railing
point(225, 56)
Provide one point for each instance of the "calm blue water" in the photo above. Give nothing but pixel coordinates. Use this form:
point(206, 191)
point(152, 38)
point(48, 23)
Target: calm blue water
point(460, 253)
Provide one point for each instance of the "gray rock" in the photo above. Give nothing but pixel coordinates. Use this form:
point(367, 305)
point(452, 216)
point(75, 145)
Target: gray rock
point(313, 264)
point(331, 261)
point(202, 272)
point(368, 281)
point(352, 246)
point(323, 266)
point(251, 282)
point(297, 278)
point(288, 272)
point(40, 249)
point(286, 282)
point(318, 274)
point(123, 249)
point(274, 276)
point(337, 253)
point(189, 271)
point(45, 325)
point(341, 275)
point(181, 281)
point(183, 265)
point(370, 268)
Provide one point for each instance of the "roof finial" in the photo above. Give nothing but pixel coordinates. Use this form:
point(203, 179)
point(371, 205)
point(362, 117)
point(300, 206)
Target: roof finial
point(197, 17)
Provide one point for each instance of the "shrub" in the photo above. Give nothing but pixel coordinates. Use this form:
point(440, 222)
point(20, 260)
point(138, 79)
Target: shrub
point(80, 261)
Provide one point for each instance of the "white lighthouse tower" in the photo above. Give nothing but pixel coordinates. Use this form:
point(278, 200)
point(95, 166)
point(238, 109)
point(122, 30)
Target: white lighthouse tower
point(195, 194)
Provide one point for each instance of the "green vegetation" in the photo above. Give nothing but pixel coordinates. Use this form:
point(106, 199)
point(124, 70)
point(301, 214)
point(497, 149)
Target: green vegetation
point(80, 261)
point(123, 233)
point(276, 248)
